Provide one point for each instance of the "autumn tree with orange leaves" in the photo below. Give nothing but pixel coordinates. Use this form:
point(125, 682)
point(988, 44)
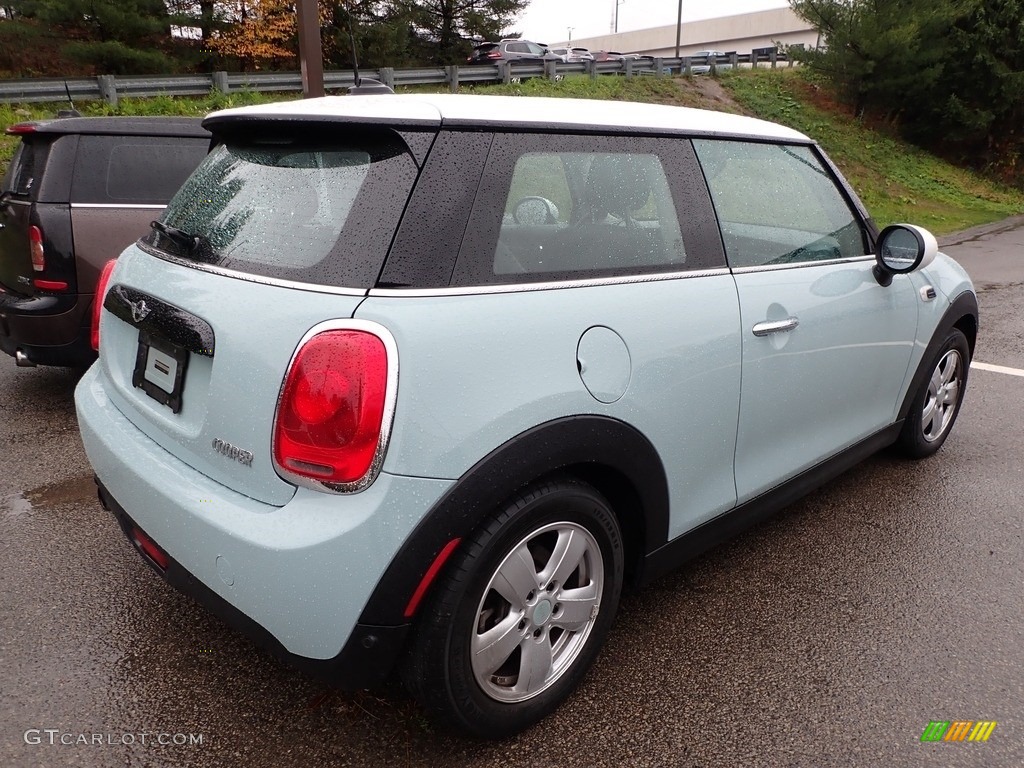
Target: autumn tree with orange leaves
point(263, 31)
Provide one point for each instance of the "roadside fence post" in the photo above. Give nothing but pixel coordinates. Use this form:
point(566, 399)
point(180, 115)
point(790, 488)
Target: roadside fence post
point(452, 75)
point(220, 82)
point(108, 89)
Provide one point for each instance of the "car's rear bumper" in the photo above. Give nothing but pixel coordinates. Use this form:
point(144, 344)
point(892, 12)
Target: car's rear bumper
point(294, 578)
point(48, 329)
point(365, 661)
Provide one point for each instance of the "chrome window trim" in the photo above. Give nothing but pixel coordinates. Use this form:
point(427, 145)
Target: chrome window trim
point(387, 417)
point(132, 206)
point(798, 264)
point(260, 279)
point(479, 290)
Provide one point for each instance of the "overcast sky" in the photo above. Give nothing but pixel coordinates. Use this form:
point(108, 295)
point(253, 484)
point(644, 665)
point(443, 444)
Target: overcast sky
point(547, 21)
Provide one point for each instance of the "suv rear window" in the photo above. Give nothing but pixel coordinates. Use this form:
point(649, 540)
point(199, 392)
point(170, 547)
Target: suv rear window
point(133, 169)
point(321, 212)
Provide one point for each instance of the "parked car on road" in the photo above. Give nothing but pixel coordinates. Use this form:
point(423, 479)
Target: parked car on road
point(415, 385)
point(716, 57)
point(616, 56)
point(77, 191)
point(509, 50)
point(571, 55)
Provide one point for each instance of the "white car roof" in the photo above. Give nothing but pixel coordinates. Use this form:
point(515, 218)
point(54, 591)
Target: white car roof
point(512, 111)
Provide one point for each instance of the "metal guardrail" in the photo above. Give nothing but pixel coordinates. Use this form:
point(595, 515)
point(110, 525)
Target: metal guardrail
point(110, 88)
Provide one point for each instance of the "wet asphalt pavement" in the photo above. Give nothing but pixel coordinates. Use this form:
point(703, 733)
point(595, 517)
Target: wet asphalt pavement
point(830, 635)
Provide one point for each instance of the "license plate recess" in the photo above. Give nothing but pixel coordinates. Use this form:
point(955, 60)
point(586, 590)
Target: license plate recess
point(160, 370)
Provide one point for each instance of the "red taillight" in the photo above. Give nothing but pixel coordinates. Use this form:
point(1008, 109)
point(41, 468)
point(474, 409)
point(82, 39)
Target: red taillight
point(50, 285)
point(494, 55)
point(35, 247)
point(97, 302)
point(331, 413)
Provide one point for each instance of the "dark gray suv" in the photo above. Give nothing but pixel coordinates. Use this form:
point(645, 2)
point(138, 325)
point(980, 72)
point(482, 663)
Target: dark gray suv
point(77, 191)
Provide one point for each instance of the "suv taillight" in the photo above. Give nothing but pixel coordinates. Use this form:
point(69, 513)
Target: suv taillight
point(35, 247)
point(97, 302)
point(494, 55)
point(334, 412)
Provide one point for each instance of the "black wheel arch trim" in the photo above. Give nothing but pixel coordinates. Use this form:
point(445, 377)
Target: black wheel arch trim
point(598, 443)
point(964, 305)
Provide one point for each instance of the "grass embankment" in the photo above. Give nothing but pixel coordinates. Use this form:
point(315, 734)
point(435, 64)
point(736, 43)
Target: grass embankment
point(896, 181)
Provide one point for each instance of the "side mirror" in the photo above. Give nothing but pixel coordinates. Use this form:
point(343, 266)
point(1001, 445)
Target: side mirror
point(903, 248)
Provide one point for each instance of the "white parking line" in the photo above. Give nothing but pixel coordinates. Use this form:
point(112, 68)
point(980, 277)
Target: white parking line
point(998, 369)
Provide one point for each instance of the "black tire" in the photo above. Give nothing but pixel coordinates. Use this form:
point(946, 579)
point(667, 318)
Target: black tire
point(936, 405)
point(442, 672)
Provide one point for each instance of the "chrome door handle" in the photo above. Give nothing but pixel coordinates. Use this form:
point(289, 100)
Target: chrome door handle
point(778, 326)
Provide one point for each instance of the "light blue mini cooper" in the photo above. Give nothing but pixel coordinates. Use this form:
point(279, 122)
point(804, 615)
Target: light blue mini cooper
point(415, 385)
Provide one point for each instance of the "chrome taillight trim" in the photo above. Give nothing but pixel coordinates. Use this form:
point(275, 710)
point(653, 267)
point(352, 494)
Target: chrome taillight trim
point(387, 417)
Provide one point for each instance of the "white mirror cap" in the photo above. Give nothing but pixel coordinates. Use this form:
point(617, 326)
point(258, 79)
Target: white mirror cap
point(931, 245)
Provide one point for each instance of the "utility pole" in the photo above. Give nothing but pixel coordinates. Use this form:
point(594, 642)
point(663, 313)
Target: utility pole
point(679, 27)
point(570, 32)
point(615, 25)
point(311, 59)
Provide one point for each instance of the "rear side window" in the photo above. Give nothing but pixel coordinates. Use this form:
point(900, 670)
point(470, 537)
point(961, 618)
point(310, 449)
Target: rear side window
point(26, 166)
point(623, 216)
point(126, 170)
point(320, 212)
point(564, 207)
point(778, 204)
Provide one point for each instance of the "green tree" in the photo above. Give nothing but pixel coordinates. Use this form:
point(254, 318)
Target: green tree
point(453, 25)
point(949, 75)
point(127, 21)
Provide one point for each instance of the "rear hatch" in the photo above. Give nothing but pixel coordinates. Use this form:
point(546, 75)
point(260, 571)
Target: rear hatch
point(274, 233)
point(20, 190)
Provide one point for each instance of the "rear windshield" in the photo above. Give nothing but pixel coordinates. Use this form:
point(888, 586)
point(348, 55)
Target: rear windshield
point(321, 212)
